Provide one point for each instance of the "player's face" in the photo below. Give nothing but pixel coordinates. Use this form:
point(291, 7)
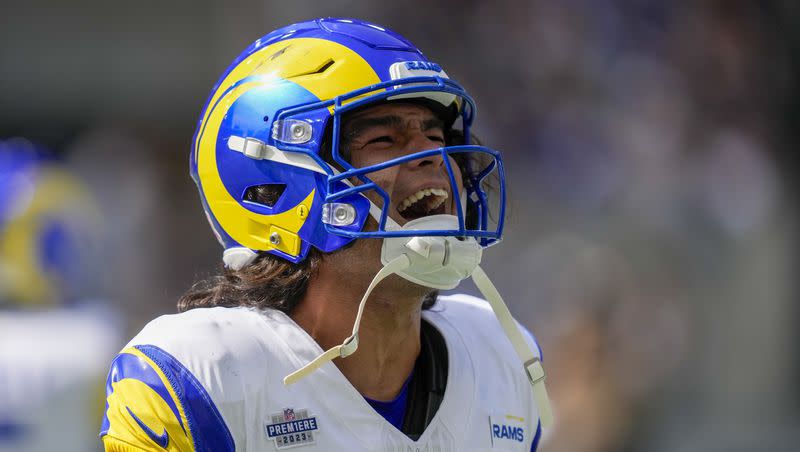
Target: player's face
point(416, 188)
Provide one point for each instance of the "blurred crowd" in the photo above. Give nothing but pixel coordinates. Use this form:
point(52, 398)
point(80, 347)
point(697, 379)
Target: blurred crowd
point(649, 146)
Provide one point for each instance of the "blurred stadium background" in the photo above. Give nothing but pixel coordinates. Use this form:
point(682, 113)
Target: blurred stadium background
point(651, 145)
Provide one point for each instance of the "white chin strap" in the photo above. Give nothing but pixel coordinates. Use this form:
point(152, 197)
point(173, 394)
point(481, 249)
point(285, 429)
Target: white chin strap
point(440, 263)
point(531, 362)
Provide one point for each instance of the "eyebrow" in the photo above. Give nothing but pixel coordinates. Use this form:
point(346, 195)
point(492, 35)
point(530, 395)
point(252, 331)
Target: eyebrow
point(358, 125)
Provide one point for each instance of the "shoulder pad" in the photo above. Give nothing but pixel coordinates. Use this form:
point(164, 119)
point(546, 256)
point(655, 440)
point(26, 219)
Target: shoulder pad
point(478, 313)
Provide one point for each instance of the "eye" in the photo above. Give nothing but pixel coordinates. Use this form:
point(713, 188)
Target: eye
point(381, 139)
point(438, 138)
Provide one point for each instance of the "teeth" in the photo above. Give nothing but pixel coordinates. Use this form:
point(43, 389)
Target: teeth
point(441, 195)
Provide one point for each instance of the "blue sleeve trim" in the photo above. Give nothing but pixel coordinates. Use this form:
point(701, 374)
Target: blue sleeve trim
point(205, 422)
point(537, 437)
point(126, 365)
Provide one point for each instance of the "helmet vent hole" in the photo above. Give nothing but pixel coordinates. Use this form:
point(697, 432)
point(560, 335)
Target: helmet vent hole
point(325, 67)
point(322, 68)
point(265, 195)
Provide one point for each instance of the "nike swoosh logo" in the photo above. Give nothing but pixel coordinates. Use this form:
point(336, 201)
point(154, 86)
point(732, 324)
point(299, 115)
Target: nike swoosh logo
point(162, 439)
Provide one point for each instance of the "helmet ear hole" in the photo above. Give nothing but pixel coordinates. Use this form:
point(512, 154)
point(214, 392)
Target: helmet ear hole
point(265, 194)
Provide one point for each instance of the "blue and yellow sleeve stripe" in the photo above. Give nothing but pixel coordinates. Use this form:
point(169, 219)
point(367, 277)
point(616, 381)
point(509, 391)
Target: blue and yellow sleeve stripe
point(155, 403)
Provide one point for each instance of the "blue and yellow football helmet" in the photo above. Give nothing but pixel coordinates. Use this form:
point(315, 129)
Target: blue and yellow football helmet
point(47, 222)
point(274, 119)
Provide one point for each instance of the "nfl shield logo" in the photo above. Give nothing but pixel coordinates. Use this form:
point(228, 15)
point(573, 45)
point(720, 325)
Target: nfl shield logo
point(288, 414)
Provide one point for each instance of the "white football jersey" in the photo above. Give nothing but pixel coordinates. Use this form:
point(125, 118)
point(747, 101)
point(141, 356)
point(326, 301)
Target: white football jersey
point(211, 379)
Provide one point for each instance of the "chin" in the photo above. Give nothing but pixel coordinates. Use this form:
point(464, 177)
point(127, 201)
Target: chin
point(403, 288)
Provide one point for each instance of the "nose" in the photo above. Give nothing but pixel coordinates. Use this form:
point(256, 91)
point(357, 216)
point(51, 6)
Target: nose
point(419, 143)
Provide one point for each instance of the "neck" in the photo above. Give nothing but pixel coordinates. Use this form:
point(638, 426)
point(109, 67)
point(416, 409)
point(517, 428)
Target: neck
point(389, 335)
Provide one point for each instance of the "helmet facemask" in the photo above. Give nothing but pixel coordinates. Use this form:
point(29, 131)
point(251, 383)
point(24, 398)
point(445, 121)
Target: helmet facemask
point(480, 202)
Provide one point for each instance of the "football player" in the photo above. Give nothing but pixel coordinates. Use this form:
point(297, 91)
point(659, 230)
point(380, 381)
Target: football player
point(334, 163)
point(55, 337)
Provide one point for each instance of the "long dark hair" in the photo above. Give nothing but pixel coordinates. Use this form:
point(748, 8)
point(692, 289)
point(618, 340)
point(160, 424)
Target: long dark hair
point(269, 282)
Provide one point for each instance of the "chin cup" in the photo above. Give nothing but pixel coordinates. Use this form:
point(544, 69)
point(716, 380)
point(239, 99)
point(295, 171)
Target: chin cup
point(435, 261)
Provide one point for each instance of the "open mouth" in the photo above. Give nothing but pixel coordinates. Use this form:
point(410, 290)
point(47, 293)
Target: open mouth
point(425, 202)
